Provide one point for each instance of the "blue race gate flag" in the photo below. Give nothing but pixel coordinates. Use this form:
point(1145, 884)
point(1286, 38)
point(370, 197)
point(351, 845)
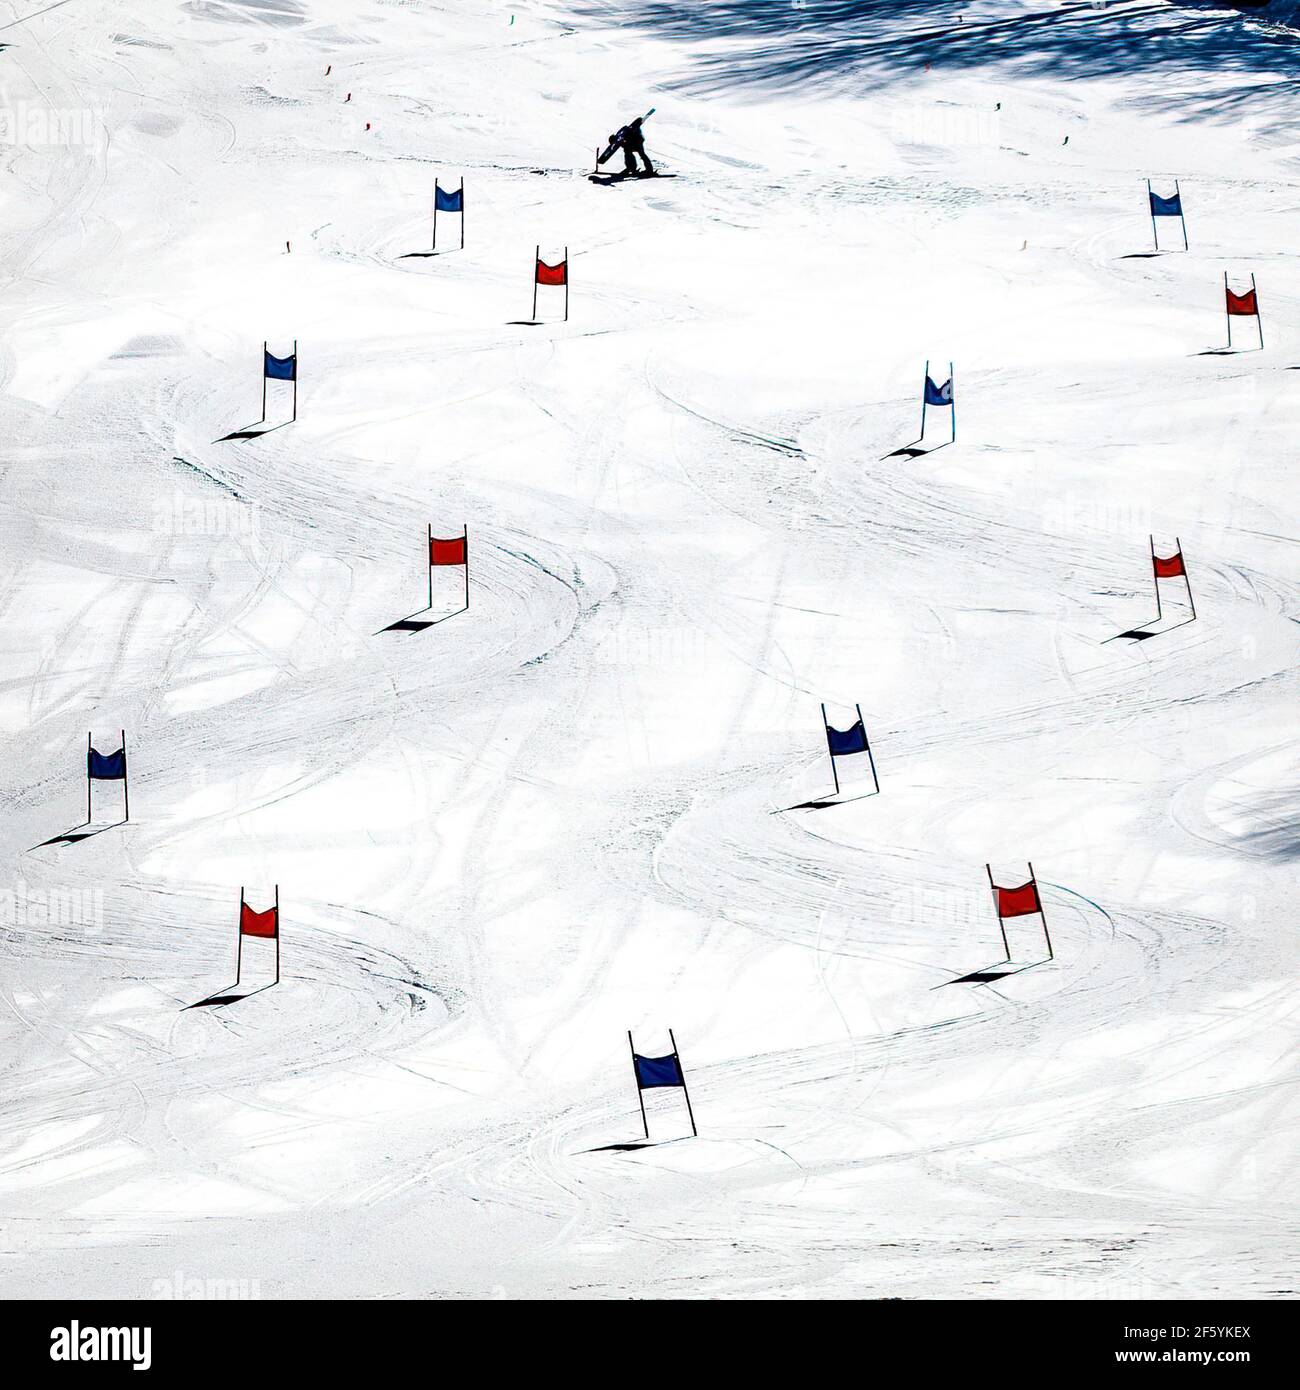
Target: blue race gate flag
point(107, 767)
point(842, 741)
point(448, 200)
point(281, 368)
point(657, 1071)
point(1166, 207)
point(942, 396)
point(652, 1072)
point(938, 395)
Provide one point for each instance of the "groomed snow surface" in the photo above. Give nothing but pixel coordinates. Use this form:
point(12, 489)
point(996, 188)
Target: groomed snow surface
point(503, 841)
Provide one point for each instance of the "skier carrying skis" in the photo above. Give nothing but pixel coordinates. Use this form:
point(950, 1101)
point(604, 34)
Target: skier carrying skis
point(633, 143)
point(631, 140)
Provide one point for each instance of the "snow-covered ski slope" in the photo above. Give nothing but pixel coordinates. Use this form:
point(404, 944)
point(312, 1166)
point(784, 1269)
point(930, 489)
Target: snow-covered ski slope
point(504, 841)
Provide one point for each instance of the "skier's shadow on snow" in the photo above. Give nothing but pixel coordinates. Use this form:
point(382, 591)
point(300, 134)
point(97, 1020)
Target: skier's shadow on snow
point(609, 180)
point(226, 996)
point(250, 432)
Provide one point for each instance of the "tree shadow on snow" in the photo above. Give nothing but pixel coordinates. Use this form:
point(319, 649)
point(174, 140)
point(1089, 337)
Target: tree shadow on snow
point(839, 43)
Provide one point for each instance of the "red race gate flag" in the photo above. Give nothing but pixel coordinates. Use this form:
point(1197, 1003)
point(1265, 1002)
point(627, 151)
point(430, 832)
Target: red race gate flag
point(259, 923)
point(1243, 306)
point(450, 551)
point(265, 925)
point(1171, 567)
point(545, 274)
point(1018, 902)
point(1246, 304)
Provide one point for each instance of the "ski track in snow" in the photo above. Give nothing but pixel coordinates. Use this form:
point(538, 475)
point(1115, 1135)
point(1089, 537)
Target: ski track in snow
point(504, 841)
